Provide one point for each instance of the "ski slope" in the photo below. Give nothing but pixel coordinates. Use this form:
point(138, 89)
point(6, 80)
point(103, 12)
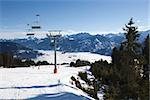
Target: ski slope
point(33, 83)
point(40, 83)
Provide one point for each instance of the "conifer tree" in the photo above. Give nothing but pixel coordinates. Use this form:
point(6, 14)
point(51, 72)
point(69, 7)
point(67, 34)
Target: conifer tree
point(144, 82)
point(132, 35)
point(123, 77)
point(127, 64)
point(146, 56)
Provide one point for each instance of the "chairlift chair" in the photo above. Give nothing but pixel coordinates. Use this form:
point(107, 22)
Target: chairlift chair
point(36, 23)
point(29, 31)
point(36, 27)
point(30, 34)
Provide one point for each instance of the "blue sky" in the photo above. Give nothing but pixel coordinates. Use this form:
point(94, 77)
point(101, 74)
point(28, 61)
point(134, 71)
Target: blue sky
point(95, 16)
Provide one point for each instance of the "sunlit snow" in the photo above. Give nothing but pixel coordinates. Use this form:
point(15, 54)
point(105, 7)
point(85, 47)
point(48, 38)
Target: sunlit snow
point(41, 83)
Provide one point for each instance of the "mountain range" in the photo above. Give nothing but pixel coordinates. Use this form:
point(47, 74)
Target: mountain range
point(81, 42)
point(17, 50)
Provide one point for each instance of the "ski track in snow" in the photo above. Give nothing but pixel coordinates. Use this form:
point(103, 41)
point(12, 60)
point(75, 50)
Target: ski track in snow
point(28, 83)
point(33, 83)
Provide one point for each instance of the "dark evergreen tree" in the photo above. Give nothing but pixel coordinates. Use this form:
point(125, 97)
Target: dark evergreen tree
point(127, 66)
point(29, 62)
point(146, 56)
point(132, 35)
point(144, 83)
point(114, 56)
point(7, 59)
point(124, 79)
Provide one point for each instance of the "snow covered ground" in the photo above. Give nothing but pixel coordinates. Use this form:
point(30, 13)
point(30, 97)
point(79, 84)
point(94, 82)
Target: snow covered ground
point(33, 83)
point(41, 83)
point(69, 57)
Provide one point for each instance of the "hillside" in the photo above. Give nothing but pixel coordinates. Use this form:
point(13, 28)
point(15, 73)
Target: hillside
point(33, 83)
point(70, 57)
point(41, 83)
point(81, 42)
point(18, 50)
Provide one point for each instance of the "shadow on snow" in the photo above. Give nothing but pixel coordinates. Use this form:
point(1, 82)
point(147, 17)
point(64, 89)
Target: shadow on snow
point(30, 87)
point(36, 87)
point(54, 96)
point(59, 96)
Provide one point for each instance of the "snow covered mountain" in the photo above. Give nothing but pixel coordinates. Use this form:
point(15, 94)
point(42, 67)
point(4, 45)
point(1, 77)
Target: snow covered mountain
point(143, 35)
point(81, 42)
point(17, 50)
point(38, 83)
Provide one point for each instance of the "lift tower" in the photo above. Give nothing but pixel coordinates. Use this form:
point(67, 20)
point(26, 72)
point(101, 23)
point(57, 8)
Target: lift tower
point(54, 34)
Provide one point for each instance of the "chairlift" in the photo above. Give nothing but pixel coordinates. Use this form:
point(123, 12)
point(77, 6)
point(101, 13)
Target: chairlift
point(36, 27)
point(36, 23)
point(29, 33)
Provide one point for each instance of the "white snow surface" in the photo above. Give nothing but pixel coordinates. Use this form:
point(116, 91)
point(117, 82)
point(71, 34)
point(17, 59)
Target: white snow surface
point(71, 57)
point(40, 83)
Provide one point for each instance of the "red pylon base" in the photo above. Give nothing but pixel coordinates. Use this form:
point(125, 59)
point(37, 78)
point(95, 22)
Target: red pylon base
point(55, 70)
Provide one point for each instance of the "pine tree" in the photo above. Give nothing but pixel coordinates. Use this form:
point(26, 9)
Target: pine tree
point(123, 78)
point(7, 59)
point(132, 35)
point(144, 89)
point(127, 64)
point(146, 55)
point(114, 55)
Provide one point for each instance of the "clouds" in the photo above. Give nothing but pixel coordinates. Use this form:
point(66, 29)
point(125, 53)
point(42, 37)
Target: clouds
point(11, 35)
point(142, 26)
point(73, 16)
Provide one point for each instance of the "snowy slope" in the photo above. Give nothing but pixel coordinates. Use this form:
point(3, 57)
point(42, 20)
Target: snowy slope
point(69, 57)
point(34, 83)
point(38, 83)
